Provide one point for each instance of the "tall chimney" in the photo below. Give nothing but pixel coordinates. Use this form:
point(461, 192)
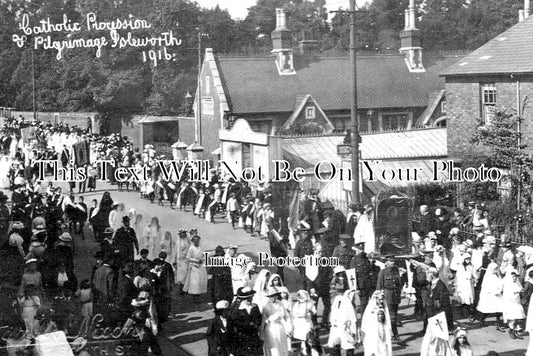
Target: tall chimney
point(524, 14)
point(410, 40)
point(282, 44)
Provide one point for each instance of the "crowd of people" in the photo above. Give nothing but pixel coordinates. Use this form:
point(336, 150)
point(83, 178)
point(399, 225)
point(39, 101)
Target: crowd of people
point(458, 266)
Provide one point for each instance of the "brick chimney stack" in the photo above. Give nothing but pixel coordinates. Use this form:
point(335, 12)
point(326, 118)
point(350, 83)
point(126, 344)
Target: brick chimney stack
point(524, 14)
point(410, 40)
point(282, 44)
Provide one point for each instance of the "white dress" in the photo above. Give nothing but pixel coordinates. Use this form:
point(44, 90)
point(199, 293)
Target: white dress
point(301, 319)
point(465, 284)
point(274, 330)
point(490, 297)
point(376, 335)
point(180, 259)
point(343, 321)
point(196, 280)
point(511, 307)
point(4, 172)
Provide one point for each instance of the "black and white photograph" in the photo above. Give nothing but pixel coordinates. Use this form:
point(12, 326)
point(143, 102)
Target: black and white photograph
point(266, 177)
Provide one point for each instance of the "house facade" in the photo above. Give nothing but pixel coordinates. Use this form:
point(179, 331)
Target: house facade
point(498, 75)
point(298, 92)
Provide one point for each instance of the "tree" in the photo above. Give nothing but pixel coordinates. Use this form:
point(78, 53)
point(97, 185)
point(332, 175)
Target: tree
point(443, 24)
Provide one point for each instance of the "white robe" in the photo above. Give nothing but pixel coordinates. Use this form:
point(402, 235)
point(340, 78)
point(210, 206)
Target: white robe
point(274, 329)
point(343, 321)
point(377, 336)
point(180, 259)
point(364, 232)
point(465, 284)
point(196, 279)
point(490, 296)
point(4, 172)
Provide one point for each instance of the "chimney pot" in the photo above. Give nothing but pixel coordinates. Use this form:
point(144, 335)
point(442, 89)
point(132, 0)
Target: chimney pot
point(527, 9)
point(407, 26)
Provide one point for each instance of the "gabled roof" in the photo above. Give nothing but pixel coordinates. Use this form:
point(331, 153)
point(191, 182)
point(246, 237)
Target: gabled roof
point(299, 109)
point(253, 85)
point(433, 102)
point(511, 52)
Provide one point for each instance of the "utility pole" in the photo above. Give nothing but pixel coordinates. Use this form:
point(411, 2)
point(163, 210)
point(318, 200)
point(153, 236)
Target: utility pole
point(353, 110)
point(354, 121)
point(33, 84)
point(199, 99)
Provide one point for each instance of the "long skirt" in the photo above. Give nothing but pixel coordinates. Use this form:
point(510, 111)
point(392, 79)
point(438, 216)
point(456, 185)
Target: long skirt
point(196, 280)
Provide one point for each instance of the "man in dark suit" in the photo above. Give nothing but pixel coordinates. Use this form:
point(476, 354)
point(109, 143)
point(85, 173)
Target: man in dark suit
point(427, 220)
point(438, 299)
point(65, 156)
point(219, 334)
point(126, 240)
point(318, 279)
point(126, 292)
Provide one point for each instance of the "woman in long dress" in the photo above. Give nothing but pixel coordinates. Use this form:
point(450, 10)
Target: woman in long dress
point(466, 281)
point(167, 245)
point(490, 296)
point(275, 326)
point(196, 280)
point(138, 227)
point(343, 318)
point(180, 257)
point(303, 311)
point(4, 172)
point(155, 238)
point(260, 288)
point(511, 306)
point(376, 327)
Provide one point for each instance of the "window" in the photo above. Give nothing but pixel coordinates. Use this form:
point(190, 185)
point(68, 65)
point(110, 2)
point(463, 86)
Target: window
point(390, 122)
point(488, 102)
point(207, 86)
point(246, 155)
point(341, 124)
point(310, 112)
point(443, 107)
point(208, 105)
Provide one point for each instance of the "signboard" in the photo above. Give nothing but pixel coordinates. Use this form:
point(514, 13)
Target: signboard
point(343, 150)
point(28, 134)
point(53, 344)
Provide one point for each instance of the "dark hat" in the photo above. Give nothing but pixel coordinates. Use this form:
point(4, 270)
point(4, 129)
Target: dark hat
point(162, 255)
point(196, 237)
point(219, 251)
point(390, 257)
point(345, 237)
point(245, 292)
point(144, 251)
point(360, 245)
point(128, 267)
point(109, 231)
point(126, 217)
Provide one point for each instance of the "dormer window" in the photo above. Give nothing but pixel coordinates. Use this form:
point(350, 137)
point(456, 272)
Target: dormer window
point(284, 62)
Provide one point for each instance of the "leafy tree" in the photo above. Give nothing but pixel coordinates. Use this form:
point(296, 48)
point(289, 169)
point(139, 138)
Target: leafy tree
point(443, 24)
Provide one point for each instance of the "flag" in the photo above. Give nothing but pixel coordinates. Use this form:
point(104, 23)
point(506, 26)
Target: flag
point(435, 342)
point(352, 279)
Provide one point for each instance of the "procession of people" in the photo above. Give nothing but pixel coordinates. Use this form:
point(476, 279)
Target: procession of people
point(458, 268)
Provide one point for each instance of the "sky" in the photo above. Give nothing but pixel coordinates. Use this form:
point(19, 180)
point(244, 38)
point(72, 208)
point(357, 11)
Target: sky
point(238, 9)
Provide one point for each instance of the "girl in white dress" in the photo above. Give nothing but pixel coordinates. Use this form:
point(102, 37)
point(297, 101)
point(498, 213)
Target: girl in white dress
point(196, 280)
point(303, 311)
point(275, 326)
point(490, 296)
point(511, 306)
point(180, 257)
point(260, 288)
point(465, 282)
point(376, 327)
point(4, 172)
point(155, 237)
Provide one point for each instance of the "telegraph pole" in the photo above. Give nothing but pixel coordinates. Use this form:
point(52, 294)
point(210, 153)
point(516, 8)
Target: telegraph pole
point(353, 110)
point(33, 84)
point(199, 111)
point(354, 121)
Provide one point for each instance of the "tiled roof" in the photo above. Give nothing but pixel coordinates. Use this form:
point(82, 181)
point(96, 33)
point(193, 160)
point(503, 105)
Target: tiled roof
point(253, 85)
point(511, 52)
point(307, 151)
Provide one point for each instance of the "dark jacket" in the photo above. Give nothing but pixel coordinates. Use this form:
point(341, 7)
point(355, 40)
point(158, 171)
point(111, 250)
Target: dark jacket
point(389, 280)
point(219, 338)
point(438, 300)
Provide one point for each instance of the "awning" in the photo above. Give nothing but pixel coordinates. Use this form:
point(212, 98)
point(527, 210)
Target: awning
point(179, 144)
point(216, 152)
